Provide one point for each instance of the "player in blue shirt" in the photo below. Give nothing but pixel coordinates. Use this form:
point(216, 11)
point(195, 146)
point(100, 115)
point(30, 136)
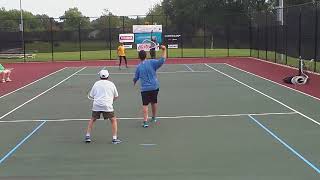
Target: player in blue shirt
point(149, 84)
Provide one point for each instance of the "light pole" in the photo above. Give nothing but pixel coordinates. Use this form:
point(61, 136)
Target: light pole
point(21, 27)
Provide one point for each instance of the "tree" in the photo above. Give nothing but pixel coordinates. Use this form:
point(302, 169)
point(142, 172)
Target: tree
point(72, 18)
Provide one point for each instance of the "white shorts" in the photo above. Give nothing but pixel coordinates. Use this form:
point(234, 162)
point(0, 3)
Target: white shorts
point(6, 71)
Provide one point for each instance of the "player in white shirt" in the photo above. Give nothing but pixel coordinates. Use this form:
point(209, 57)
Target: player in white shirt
point(103, 93)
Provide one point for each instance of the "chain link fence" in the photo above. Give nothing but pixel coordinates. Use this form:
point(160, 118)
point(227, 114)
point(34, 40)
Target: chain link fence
point(278, 35)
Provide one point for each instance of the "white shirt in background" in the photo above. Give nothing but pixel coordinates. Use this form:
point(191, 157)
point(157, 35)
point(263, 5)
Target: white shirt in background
point(103, 92)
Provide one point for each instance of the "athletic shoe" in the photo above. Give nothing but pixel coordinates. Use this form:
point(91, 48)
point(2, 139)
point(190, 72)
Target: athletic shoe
point(153, 119)
point(145, 124)
point(87, 139)
point(116, 141)
point(3, 80)
point(8, 80)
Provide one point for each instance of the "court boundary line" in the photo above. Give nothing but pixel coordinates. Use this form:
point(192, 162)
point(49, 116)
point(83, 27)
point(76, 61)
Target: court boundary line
point(188, 67)
point(292, 109)
point(20, 143)
point(273, 82)
point(35, 97)
point(33, 82)
point(161, 117)
point(159, 72)
point(283, 65)
point(285, 144)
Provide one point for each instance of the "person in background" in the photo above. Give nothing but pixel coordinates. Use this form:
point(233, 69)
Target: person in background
point(5, 74)
point(122, 55)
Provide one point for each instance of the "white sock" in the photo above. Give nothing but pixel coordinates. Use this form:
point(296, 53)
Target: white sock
point(114, 137)
point(88, 134)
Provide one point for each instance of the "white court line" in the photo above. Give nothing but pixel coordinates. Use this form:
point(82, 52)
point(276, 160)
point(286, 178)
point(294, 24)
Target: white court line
point(318, 123)
point(274, 82)
point(189, 68)
point(159, 72)
point(32, 82)
point(163, 117)
point(40, 94)
point(282, 65)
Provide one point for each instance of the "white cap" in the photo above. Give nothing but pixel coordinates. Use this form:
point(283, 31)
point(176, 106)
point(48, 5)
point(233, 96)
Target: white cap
point(104, 73)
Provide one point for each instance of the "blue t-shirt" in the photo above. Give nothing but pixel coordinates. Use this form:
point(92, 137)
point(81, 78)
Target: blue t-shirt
point(146, 72)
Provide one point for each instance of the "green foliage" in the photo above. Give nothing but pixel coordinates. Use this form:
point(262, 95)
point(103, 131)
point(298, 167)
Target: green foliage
point(72, 18)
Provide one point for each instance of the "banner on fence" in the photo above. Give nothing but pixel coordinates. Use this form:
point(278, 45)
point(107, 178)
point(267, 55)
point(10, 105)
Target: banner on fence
point(126, 38)
point(147, 28)
point(145, 47)
point(173, 46)
point(139, 37)
point(172, 40)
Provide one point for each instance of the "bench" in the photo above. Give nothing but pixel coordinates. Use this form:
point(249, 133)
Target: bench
point(16, 56)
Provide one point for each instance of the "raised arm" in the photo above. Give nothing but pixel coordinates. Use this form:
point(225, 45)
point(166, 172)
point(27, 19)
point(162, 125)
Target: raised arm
point(158, 63)
point(164, 51)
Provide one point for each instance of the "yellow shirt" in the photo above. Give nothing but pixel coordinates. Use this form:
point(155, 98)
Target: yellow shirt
point(121, 51)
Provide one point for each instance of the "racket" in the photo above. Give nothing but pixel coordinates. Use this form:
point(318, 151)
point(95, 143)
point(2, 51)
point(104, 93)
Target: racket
point(150, 44)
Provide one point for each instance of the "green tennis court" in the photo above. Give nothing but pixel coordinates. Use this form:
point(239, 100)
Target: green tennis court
point(216, 122)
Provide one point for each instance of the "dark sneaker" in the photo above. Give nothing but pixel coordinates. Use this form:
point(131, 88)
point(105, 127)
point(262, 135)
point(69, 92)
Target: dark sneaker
point(87, 139)
point(116, 141)
point(145, 124)
point(153, 119)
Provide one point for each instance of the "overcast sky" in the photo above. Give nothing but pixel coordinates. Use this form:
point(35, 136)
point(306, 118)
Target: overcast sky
point(91, 8)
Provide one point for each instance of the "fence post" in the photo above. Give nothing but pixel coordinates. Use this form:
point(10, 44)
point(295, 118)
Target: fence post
point(166, 30)
point(266, 35)
point(299, 41)
point(79, 30)
point(122, 24)
point(275, 42)
point(228, 41)
point(286, 32)
point(51, 39)
point(316, 39)
point(258, 35)
point(250, 35)
point(23, 42)
point(151, 19)
point(109, 18)
point(181, 45)
point(204, 38)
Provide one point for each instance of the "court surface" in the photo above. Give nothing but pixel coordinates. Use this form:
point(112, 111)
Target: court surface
point(216, 122)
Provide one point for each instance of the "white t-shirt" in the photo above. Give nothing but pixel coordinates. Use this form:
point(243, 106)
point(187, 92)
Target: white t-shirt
point(103, 92)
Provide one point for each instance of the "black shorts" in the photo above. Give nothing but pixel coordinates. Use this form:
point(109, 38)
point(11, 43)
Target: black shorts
point(106, 115)
point(149, 97)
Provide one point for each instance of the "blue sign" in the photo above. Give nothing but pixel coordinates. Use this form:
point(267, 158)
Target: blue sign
point(139, 37)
